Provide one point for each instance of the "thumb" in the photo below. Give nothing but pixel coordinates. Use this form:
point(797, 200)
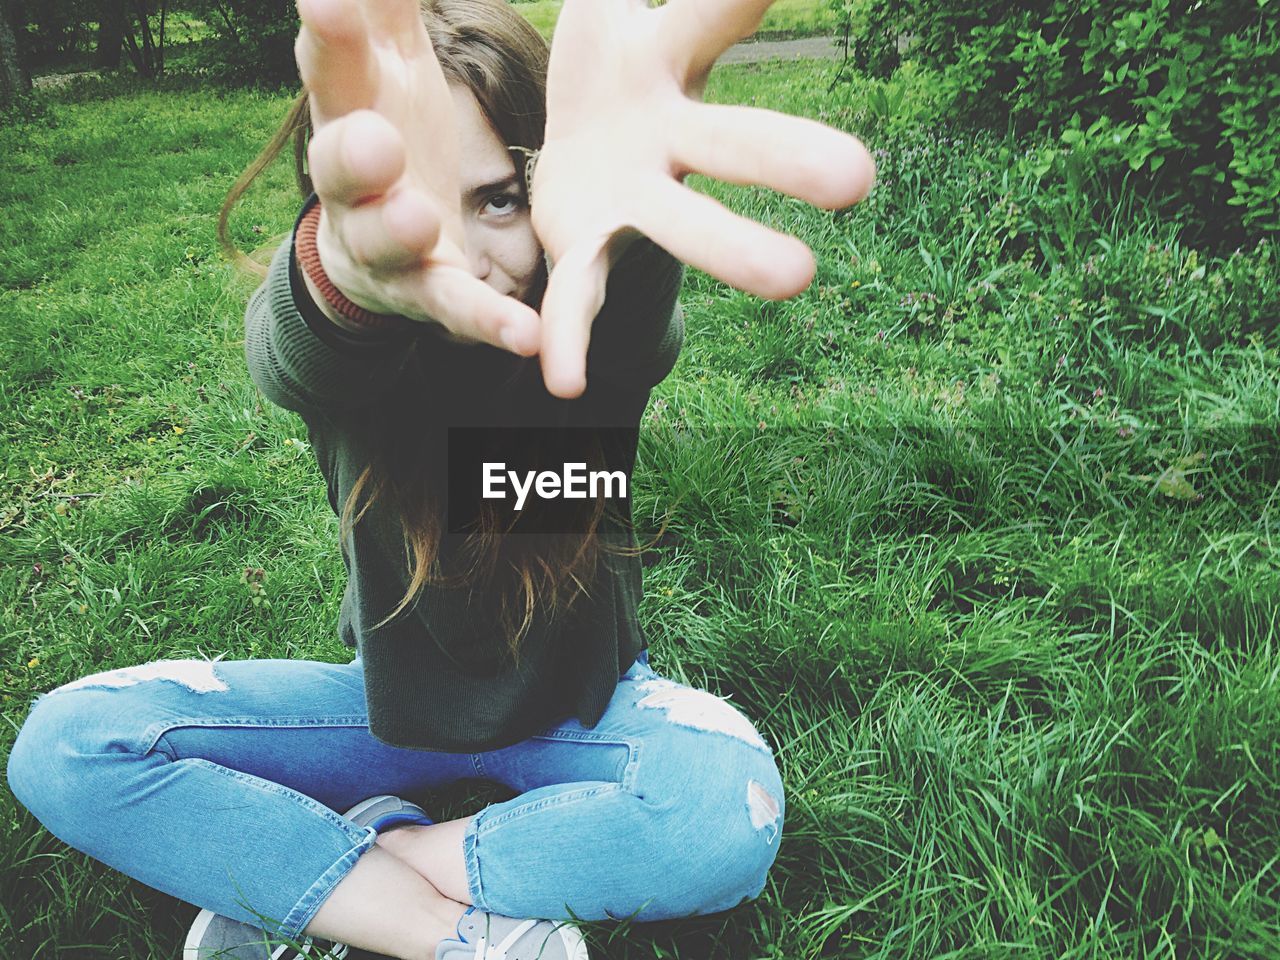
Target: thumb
point(575, 293)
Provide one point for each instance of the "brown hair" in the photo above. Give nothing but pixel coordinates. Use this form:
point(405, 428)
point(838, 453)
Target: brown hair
point(494, 52)
point(483, 45)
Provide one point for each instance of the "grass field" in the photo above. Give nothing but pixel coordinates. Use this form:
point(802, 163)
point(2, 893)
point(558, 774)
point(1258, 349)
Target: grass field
point(980, 529)
point(785, 18)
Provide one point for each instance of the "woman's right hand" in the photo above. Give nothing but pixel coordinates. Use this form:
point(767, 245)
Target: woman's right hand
point(384, 162)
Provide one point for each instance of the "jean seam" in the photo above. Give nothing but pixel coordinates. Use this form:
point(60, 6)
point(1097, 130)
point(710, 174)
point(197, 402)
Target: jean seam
point(483, 824)
point(269, 786)
point(634, 748)
point(152, 734)
point(586, 736)
point(628, 779)
point(310, 902)
point(362, 837)
point(471, 839)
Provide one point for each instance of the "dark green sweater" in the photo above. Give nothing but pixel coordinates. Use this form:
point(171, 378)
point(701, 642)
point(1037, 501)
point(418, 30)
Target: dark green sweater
point(437, 676)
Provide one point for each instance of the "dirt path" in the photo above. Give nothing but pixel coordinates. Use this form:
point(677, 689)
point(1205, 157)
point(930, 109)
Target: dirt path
point(806, 48)
point(53, 81)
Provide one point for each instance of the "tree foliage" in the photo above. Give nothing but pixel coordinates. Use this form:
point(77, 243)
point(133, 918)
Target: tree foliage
point(56, 32)
point(50, 30)
point(254, 40)
point(1183, 93)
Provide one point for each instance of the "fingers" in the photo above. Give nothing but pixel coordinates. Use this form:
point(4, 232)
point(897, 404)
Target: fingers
point(393, 235)
point(398, 22)
point(334, 58)
point(801, 158)
point(698, 31)
point(357, 163)
point(741, 252)
point(575, 294)
point(470, 309)
point(355, 158)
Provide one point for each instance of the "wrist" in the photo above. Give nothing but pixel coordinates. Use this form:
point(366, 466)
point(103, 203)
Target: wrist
point(332, 302)
point(325, 309)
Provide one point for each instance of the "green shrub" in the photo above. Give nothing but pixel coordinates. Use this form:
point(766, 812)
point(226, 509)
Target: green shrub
point(253, 41)
point(48, 31)
point(1184, 97)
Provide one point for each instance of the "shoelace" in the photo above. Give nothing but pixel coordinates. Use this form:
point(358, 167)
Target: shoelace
point(498, 951)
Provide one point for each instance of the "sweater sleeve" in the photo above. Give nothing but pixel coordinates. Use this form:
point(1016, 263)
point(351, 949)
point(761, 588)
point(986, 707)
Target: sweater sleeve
point(637, 334)
point(301, 360)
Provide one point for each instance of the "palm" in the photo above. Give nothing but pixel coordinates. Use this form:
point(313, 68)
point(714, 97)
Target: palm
point(625, 125)
point(384, 161)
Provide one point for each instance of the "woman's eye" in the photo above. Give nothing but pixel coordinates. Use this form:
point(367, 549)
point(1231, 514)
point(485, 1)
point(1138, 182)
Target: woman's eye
point(502, 204)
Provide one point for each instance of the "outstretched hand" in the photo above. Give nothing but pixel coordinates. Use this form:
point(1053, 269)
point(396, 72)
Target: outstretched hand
point(384, 162)
point(625, 125)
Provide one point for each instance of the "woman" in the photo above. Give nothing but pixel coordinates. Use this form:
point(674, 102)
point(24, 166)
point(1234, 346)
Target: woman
point(265, 791)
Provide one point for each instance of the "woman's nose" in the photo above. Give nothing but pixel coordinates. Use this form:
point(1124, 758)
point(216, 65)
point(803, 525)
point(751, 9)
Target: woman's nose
point(478, 259)
point(481, 265)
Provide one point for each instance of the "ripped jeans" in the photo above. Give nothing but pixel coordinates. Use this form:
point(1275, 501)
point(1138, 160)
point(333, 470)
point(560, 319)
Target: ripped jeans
point(221, 783)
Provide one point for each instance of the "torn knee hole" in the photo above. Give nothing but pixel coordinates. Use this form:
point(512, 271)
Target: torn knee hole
point(699, 710)
point(198, 676)
point(762, 805)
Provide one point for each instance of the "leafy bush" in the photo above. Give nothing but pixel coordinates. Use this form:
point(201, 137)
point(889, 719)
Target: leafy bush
point(1184, 95)
point(49, 31)
point(253, 40)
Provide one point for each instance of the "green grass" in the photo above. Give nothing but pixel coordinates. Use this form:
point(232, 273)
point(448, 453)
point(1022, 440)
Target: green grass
point(979, 529)
point(785, 18)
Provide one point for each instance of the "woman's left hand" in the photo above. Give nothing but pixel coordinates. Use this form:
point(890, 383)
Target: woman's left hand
point(625, 125)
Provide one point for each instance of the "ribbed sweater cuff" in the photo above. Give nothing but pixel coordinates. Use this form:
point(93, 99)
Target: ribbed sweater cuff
point(302, 359)
point(324, 328)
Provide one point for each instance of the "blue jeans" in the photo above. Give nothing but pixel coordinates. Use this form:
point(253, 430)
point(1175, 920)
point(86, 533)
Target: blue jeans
point(221, 783)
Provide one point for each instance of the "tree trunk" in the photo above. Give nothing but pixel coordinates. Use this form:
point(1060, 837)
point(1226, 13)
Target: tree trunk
point(13, 79)
point(145, 47)
point(110, 35)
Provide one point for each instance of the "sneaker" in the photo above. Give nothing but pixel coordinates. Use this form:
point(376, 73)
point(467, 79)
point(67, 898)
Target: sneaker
point(215, 937)
point(383, 813)
point(490, 936)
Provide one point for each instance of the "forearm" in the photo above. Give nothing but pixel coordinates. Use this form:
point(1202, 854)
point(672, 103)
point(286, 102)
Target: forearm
point(302, 359)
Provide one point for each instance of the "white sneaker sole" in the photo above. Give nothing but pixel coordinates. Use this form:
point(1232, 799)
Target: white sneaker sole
point(191, 946)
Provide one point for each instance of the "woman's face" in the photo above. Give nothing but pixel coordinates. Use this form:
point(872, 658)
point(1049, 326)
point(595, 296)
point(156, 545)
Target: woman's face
point(501, 246)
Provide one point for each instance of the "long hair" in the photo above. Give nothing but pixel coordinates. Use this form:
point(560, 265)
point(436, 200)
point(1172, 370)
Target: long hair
point(494, 52)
